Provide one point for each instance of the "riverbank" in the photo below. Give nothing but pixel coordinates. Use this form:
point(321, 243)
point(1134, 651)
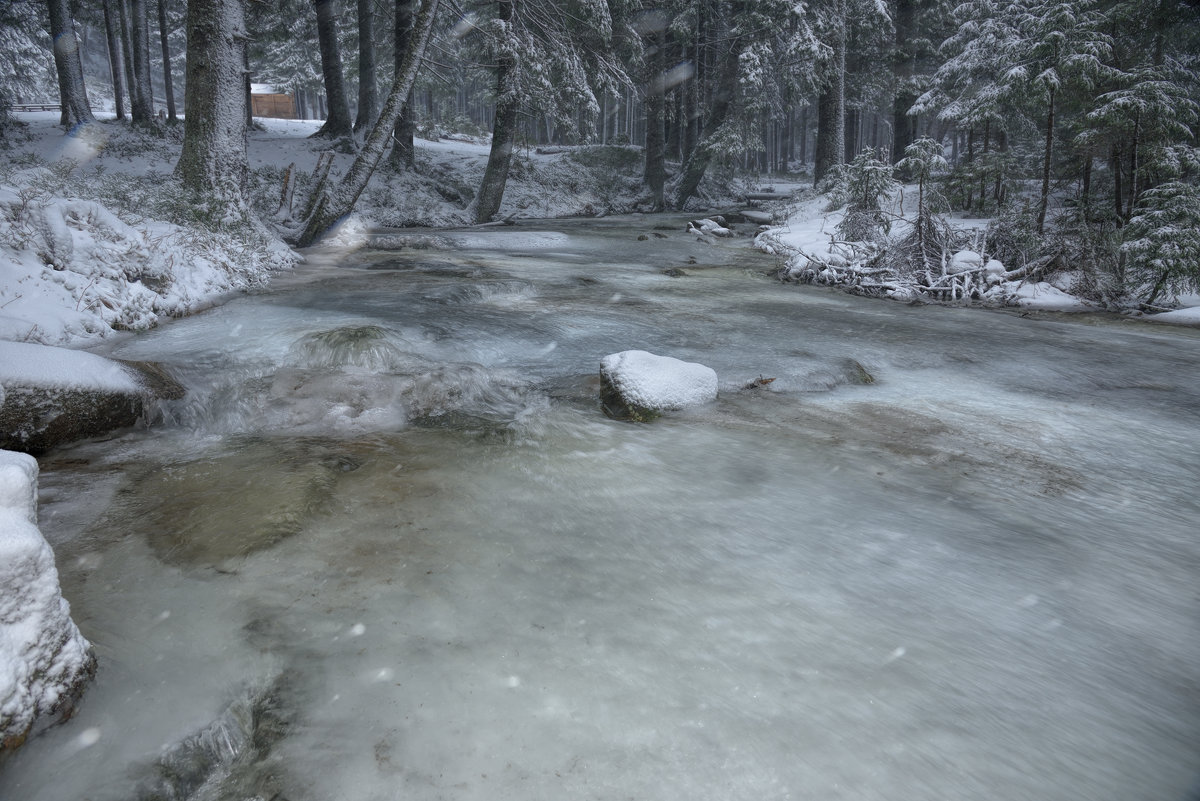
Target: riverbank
point(95, 237)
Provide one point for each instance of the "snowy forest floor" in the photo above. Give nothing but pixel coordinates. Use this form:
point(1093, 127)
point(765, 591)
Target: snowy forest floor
point(96, 236)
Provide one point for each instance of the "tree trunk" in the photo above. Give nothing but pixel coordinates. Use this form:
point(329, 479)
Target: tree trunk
point(904, 67)
point(127, 48)
point(333, 203)
point(338, 123)
point(831, 105)
point(168, 82)
point(1045, 202)
point(1002, 144)
point(804, 136)
point(970, 186)
point(1085, 192)
point(1134, 168)
point(248, 88)
point(491, 191)
point(987, 138)
point(142, 101)
point(68, 66)
point(1118, 207)
point(368, 90)
point(787, 149)
point(722, 101)
point(404, 153)
point(655, 173)
point(213, 159)
point(115, 60)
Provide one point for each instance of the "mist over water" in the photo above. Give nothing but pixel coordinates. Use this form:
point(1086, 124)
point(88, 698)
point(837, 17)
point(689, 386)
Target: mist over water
point(389, 547)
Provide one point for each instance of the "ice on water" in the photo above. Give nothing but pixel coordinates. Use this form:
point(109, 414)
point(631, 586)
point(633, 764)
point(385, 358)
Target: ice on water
point(816, 587)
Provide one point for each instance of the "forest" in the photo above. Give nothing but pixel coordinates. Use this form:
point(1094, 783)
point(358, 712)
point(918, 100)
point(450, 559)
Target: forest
point(1070, 124)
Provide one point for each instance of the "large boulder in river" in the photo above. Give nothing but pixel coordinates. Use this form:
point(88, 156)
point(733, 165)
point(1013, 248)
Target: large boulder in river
point(52, 396)
point(45, 662)
point(636, 385)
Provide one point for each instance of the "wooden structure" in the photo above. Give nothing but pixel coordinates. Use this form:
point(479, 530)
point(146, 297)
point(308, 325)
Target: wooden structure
point(273, 105)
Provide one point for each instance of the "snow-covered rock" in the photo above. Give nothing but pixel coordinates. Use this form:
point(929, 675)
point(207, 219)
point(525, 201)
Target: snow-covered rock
point(707, 226)
point(637, 385)
point(52, 396)
point(45, 662)
point(964, 261)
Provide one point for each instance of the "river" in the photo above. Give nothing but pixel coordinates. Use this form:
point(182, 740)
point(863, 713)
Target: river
point(389, 547)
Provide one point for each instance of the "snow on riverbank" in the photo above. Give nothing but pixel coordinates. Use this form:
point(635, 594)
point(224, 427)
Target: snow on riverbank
point(816, 253)
point(96, 236)
point(44, 660)
point(40, 366)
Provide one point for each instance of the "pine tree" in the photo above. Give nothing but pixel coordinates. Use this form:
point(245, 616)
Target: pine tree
point(368, 91)
point(338, 123)
point(213, 159)
point(69, 66)
point(26, 67)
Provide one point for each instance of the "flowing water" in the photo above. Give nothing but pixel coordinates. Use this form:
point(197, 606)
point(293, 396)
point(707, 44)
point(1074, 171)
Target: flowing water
point(389, 547)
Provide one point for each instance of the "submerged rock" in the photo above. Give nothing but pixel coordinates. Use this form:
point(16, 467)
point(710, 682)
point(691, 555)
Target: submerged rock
point(229, 758)
point(45, 663)
point(638, 386)
point(268, 491)
point(53, 396)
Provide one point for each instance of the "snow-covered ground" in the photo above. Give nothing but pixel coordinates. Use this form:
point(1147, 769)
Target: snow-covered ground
point(816, 252)
point(95, 235)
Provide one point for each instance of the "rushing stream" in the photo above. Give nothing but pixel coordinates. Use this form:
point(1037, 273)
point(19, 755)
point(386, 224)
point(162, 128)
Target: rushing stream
point(389, 547)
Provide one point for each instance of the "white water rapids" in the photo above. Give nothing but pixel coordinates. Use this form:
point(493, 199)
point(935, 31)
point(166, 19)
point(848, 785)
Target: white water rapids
point(389, 547)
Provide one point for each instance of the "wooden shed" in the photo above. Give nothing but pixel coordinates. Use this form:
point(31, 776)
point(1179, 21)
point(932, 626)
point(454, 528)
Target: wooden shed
point(272, 105)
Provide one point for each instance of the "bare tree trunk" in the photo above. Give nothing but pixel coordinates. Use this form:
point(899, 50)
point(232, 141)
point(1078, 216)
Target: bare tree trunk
point(655, 173)
point(904, 67)
point(168, 81)
point(213, 160)
point(722, 102)
point(491, 190)
point(804, 135)
point(1045, 202)
point(368, 89)
point(127, 48)
point(1118, 206)
point(115, 60)
point(249, 90)
point(68, 65)
point(338, 123)
point(1134, 177)
point(831, 106)
point(404, 153)
point(142, 101)
point(333, 203)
